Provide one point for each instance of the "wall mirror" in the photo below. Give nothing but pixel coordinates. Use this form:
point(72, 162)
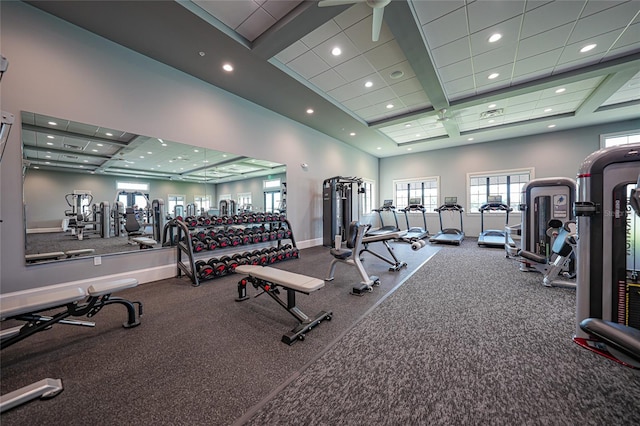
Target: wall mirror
point(72, 169)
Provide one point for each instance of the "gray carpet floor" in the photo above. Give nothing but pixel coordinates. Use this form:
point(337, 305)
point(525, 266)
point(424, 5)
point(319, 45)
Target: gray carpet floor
point(198, 357)
point(467, 340)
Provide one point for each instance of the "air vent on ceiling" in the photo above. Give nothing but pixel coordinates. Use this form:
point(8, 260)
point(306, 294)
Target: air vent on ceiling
point(492, 113)
point(75, 147)
point(70, 157)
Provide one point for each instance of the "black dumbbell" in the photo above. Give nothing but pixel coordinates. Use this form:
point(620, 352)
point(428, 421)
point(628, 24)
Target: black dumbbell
point(219, 268)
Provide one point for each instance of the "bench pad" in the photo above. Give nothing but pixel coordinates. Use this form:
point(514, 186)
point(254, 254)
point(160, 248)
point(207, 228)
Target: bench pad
point(12, 305)
point(44, 256)
point(144, 241)
point(298, 282)
point(79, 252)
point(111, 286)
point(383, 237)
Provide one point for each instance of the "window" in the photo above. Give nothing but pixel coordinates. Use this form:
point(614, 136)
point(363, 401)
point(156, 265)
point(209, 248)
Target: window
point(132, 186)
point(507, 184)
point(202, 202)
point(623, 138)
point(368, 200)
point(271, 184)
point(172, 202)
point(224, 197)
point(422, 190)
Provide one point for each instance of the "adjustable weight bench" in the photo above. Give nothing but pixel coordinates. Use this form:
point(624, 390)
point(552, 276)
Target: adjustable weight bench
point(269, 279)
point(396, 265)
point(74, 301)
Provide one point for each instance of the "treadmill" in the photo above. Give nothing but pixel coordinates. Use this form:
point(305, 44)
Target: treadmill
point(449, 235)
point(415, 233)
point(385, 229)
point(494, 237)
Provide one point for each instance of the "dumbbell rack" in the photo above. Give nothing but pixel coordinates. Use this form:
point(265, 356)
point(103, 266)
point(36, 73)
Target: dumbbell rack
point(189, 260)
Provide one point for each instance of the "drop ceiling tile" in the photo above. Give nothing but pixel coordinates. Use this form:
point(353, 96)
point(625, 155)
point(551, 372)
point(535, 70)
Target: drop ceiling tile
point(465, 84)
point(360, 34)
point(415, 100)
point(346, 92)
point(615, 17)
point(534, 4)
point(328, 80)
point(488, 13)
point(521, 107)
point(292, 52)
point(355, 68)
point(456, 71)
point(404, 67)
point(407, 86)
point(256, 24)
point(449, 28)
point(279, 8)
point(494, 58)
point(622, 51)
point(628, 92)
point(353, 15)
point(320, 34)
point(509, 29)
point(524, 78)
point(544, 61)
point(349, 51)
point(631, 36)
point(451, 53)
point(383, 95)
point(232, 14)
point(582, 62)
point(428, 11)
point(385, 55)
point(549, 16)
point(308, 65)
point(463, 94)
point(357, 103)
point(595, 6)
point(547, 41)
point(504, 71)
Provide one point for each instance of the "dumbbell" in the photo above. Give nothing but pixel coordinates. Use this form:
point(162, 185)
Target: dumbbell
point(197, 245)
point(203, 269)
point(219, 268)
point(280, 233)
point(231, 265)
point(223, 241)
point(244, 238)
point(210, 243)
point(415, 246)
point(295, 253)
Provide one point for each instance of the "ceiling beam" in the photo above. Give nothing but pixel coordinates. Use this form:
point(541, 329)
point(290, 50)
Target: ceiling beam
point(398, 15)
point(306, 17)
point(610, 85)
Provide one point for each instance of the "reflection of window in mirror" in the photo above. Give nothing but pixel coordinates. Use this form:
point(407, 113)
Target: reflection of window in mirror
point(272, 195)
point(174, 200)
point(368, 201)
point(203, 203)
point(244, 202)
point(224, 197)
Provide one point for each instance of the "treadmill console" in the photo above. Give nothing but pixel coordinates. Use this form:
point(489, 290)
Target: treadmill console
point(450, 201)
point(494, 199)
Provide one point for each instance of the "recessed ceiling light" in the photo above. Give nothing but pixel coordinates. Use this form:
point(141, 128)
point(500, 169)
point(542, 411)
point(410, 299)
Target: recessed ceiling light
point(396, 74)
point(368, 84)
point(49, 143)
point(407, 125)
point(142, 156)
point(352, 134)
point(109, 134)
point(149, 152)
point(560, 90)
point(86, 161)
point(36, 167)
point(491, 121)
point(495, 37)
point(379, 147)
point(389, 106)
point(47, 156)
point(309, 111)
point(52, 123)
point(588, 47)
point(227, 67)
point(470, 139)
point(50, 137)
point(195, 150)
point(493, 75)
point(551, 126)
point(492, 106)
point(94, 150)
point(548, 109)
point(409, 149)
point(99, 144)
point(336, 51)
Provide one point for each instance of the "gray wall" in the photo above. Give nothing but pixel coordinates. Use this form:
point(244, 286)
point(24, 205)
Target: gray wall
point(553, 154)
point(61, 70)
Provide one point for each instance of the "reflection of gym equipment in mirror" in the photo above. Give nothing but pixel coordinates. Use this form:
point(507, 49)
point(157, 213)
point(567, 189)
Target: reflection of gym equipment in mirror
point(449, 235)
point(608, 276)
point(493, 237)
point(57, 157)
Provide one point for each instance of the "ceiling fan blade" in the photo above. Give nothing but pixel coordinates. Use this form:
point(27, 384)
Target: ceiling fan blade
point(377, 23)
point(325, 3)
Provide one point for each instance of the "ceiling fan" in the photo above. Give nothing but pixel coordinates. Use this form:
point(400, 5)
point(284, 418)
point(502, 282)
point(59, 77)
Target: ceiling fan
point(376, 5)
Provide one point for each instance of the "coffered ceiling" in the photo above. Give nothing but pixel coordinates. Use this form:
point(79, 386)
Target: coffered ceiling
point(433, 79)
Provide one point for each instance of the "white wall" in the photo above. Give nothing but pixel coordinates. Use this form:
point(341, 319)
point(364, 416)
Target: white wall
point(61, 70)
point(553, 154)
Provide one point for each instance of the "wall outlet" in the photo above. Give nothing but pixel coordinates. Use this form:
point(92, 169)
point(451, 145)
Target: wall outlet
point(97, 260)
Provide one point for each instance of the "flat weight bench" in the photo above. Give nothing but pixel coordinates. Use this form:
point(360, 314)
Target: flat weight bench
point(79, 252)
point(41, 257)
point(269, 279)
point(74, 301)
point(144, 242)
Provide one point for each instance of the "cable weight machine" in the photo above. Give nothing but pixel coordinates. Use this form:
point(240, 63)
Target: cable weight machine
point(340, 205)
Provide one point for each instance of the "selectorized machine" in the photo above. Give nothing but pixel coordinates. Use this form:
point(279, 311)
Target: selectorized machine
point(608, 274)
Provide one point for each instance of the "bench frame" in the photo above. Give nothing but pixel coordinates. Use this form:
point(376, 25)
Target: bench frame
point(305, 323)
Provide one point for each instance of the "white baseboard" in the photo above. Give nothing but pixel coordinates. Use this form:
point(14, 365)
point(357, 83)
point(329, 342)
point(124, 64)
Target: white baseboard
point(309, 243)
point(43, 230)
point(142, 275)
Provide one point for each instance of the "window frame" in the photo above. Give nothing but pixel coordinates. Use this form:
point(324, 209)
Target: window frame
point(514, 204)
point(429, 207)
point(628, 134)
